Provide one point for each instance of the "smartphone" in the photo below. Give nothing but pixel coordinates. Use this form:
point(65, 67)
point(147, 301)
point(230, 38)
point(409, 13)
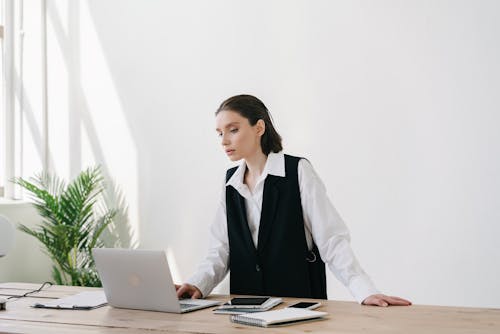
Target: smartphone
point(307, 305)
point(249, 300)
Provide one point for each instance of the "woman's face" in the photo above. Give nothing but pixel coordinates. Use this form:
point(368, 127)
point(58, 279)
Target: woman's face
point(239, 139)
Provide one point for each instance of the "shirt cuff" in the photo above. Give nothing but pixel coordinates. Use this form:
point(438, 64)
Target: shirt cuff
point(201, 284)
point(362, 287)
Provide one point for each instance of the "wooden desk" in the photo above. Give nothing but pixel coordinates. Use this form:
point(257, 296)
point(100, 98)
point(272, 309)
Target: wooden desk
point(345, 317)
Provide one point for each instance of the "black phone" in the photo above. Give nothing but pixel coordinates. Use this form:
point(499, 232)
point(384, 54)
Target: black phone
point(249, 300)
point(307, 305)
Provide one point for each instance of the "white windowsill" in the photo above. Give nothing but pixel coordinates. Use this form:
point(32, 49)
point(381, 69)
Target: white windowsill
point(13, 202)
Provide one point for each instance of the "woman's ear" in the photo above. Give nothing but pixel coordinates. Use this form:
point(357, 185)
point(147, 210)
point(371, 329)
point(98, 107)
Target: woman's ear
point(261, 127)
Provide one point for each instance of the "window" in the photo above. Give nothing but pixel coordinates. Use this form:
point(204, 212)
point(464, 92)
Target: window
point(11, 97)
point(2, 102)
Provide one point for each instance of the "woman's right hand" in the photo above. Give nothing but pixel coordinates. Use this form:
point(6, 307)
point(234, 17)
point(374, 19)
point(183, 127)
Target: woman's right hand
point(187, 291)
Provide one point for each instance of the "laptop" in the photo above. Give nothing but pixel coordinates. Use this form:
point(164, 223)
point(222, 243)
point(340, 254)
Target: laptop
point(141, 280)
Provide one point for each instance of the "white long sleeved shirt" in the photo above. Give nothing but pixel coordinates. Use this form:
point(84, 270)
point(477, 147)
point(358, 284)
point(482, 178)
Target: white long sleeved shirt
point(322, 224)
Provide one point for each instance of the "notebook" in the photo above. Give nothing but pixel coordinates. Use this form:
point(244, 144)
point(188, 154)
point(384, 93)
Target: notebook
point(284, 316)
point(86, 300)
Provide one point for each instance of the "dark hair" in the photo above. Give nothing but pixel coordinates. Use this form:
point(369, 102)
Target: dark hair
point(254, 109)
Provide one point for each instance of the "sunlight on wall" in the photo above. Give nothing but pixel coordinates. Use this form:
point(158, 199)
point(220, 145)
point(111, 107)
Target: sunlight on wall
point(174, 268)
point(108, 135)
point(60, 8)
point(58, 104)
point(31, 92)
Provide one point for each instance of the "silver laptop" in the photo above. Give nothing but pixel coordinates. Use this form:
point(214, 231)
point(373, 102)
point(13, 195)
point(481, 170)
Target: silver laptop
point(140, 279)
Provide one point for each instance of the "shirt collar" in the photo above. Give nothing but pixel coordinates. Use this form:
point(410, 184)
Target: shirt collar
point(275, 165)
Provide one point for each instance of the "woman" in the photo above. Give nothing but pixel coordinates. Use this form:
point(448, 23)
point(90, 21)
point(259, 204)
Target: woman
point(275, 227)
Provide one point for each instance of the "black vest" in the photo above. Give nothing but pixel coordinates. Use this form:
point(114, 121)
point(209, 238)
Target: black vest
point(281, 265)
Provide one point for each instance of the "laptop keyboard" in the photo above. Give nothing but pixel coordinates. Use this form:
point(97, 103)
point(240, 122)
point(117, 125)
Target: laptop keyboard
point(185, 306)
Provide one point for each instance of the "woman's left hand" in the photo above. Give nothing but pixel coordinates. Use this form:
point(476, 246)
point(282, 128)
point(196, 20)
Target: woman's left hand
point(383, 300)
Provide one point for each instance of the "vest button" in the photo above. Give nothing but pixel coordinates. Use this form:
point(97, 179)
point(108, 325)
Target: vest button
point(257, 268)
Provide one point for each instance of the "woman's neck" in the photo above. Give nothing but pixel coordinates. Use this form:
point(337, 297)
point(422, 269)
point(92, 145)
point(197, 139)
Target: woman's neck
point(256, 164)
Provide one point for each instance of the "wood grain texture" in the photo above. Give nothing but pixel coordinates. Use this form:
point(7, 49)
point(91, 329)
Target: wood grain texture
point(344, 317)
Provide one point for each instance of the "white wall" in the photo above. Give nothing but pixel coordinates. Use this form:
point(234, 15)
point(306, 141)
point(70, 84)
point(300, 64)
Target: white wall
point(395, 103)
point(26, 261)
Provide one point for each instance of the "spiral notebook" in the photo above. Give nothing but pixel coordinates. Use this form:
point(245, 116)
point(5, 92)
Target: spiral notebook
point(284, 316)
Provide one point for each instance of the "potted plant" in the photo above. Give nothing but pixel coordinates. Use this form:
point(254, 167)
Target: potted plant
point(73, 218)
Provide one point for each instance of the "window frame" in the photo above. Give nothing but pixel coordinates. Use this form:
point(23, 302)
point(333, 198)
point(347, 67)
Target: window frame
point(11, 121)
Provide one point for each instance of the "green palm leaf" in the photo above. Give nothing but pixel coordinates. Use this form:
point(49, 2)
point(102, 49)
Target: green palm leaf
point(71, 223)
